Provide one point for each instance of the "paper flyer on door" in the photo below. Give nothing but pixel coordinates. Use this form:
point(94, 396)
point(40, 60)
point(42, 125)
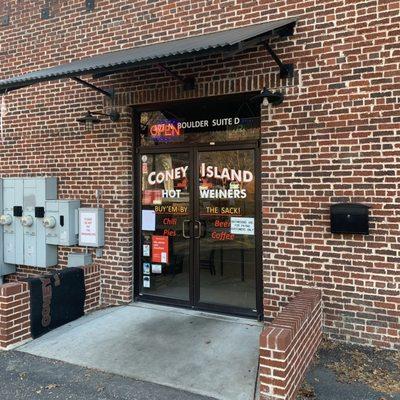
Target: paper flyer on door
point(242, 226)
point(148, 220)
point(159, 249)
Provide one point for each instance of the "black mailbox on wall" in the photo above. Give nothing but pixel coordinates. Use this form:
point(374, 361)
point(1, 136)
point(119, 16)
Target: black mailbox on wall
point(349, 218)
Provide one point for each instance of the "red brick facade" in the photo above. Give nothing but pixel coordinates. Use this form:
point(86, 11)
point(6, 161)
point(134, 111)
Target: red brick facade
point(288, 345)
point(334, 139)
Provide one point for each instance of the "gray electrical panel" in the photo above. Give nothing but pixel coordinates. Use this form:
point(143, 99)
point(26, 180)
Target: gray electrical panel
point(61, 222)
point(33, 223)
point(79, 259)
point(91, 227)
point(23, 210)
point(5, 268)
point(13, 200)
point(37, 253)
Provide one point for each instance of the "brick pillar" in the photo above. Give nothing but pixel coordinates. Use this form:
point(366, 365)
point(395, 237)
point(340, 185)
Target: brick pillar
point(288, 344)
point(92, 286)
point(14, 313)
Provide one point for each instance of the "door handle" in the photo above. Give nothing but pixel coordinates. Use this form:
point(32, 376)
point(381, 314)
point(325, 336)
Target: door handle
point(198, 229)
point(185, 221)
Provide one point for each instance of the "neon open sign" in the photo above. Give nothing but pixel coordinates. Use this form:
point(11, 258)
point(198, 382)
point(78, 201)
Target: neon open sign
point(165, 131)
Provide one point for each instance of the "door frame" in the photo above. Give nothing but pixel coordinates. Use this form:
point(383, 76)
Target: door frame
point(192, 150)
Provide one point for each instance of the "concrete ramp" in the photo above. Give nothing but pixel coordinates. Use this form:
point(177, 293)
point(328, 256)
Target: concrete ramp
point(203, 353)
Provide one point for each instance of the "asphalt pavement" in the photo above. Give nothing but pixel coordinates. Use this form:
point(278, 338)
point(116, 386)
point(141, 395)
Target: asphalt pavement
point(343, 371)
point(28, 377)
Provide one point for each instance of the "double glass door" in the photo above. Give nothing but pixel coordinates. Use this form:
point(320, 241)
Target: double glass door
point(198, 228)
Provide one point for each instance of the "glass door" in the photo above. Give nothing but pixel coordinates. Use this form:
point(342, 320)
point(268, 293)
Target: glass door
point(166, 227)
point(198, 223)
point(225, 229)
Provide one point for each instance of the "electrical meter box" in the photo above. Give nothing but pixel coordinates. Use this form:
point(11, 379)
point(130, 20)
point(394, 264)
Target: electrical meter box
point(91, 227)
point(36, 191)
point(5, 268)
point(61, 222)
point(23, 209)
point(33, 223)
point(13, 231)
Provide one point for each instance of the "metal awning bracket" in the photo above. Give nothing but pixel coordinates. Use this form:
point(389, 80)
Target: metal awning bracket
point(287, 30)
point(286, 70)
point(188, 82)
point(110, 93)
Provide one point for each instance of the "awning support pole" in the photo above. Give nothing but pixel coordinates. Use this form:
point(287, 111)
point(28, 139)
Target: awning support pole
point(286, 70)
point(106, 92)
point(188, 82)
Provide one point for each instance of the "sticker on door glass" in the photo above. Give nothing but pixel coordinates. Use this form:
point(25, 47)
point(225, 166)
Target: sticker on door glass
point(146, 281)
point(146, 250)
point(159, 249)
point(146, 268)
point(156, 268)
point(242, 226)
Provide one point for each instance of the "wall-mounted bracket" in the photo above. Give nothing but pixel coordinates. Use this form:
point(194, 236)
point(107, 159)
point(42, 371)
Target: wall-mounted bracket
point(89, 5)
point(45, 13)
point(110, 93)
point(287, 30)
point(5, 20)
point(286, 70)
point(188, 82)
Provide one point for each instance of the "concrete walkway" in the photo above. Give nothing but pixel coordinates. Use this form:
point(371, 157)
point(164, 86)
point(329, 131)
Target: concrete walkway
point(203, 353)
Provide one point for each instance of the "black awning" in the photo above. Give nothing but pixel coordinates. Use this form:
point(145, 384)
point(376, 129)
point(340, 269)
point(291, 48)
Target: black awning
point(231, 40)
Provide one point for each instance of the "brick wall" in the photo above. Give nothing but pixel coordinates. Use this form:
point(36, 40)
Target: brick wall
point(335, 138)
point(288, 344)
point(14, 314)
